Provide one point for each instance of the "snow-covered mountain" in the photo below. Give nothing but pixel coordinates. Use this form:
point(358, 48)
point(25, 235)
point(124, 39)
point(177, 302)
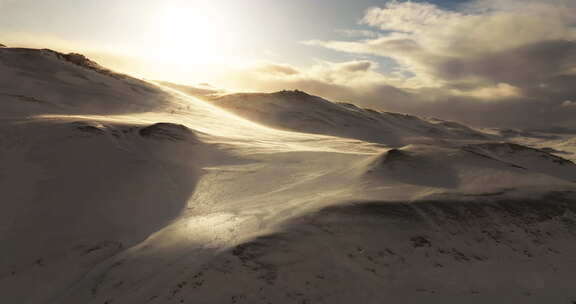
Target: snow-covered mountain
point(116, 190)
point(298, 111)
point(44, 81)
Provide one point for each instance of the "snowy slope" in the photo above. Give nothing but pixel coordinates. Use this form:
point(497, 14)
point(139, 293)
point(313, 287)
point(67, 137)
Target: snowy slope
point(470, 169)
point(200, 90)
point(298, 111)
point(75, 193)
point(500, 251)
point(562, 144)
point(44, 81)
point(120, 191)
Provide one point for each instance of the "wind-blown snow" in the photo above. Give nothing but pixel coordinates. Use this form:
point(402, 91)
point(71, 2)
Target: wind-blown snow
point(43, 81)
point(298, 111)
point(120, 191)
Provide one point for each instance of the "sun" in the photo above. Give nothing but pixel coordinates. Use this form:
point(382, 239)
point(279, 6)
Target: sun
point(191, 33)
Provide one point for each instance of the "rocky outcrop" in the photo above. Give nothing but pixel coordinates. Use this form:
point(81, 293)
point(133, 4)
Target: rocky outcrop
point(85, 62)
point(167, 131)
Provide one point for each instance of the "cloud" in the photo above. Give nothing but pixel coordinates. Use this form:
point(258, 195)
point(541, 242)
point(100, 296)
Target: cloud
point(356, 72)
point(340, 81)
point(406, 16)
point(439, 45)
point(495, 57)
point(354, 66)
point(5, 2)
point(497, 92)
point(275, 69)
point(359, 33)
point(485, 26)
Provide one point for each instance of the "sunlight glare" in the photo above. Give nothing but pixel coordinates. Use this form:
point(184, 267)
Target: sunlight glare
point(191, 33)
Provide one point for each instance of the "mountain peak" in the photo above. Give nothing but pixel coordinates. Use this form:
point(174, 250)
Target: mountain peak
point(295, 93)
point(44, 81)
point(85, 62)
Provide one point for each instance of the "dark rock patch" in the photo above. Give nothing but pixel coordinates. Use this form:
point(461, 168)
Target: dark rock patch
point(395, 155)
point(554, 151)
point(511, 148)
point(167, 131)
point(85, 62)
point(420, 241)
point(23, 98)
point(90, 128)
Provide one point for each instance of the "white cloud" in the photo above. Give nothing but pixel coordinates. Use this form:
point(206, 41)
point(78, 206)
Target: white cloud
point(355, 73)
point(5, 2)
point(494, 93)
point(359, 33)
point(408, 17)
point(431, 42)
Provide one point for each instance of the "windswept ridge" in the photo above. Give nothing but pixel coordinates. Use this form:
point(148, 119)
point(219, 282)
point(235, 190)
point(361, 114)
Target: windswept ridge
point(301, 112)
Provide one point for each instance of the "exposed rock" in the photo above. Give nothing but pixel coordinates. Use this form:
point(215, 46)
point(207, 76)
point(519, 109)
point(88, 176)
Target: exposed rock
point(393, 155)
point(24, 98)
point(167, 131)
point(420, 241)
point(85, 62)
point(91, 128)
point(554, 151)
point(511, 148)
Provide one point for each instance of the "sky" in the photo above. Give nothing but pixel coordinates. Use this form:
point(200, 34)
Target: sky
point(485, 62)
